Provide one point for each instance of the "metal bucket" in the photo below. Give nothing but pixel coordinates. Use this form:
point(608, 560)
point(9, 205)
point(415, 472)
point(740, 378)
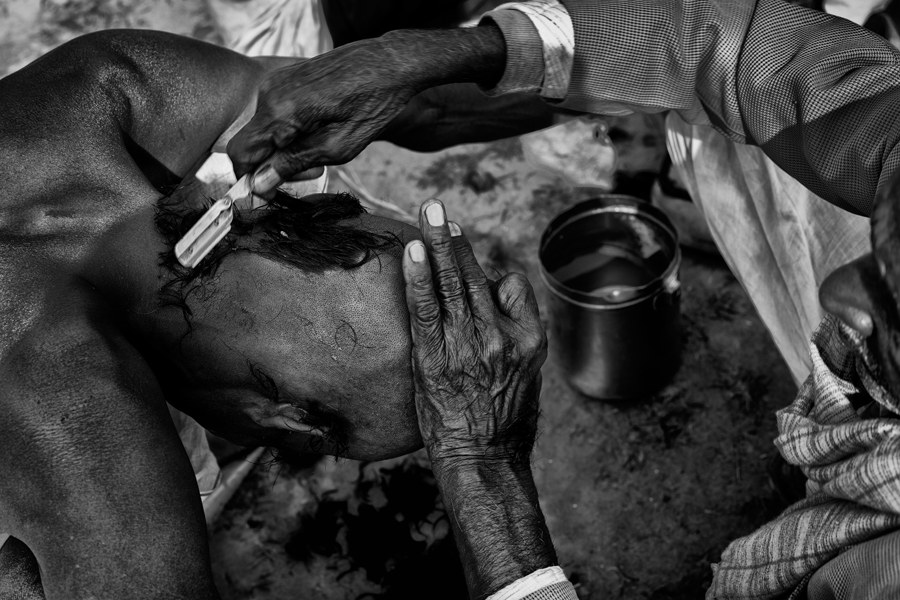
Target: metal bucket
point(612, 266)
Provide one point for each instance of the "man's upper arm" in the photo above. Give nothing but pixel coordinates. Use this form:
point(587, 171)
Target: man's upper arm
point(172, 96)
point(95, 480)
point(822, 101)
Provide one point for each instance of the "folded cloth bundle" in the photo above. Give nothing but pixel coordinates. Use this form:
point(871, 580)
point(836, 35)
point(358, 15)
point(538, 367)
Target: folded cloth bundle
point(844, 433)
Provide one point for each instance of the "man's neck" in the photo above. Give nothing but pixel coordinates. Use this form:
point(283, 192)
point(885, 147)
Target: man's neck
point(124, 267)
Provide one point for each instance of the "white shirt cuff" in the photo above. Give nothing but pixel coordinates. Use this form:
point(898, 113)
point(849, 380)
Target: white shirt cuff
point(553, 24)
point(530, 583)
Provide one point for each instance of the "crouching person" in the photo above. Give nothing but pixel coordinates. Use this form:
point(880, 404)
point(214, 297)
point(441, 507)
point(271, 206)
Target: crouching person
point(843, 431)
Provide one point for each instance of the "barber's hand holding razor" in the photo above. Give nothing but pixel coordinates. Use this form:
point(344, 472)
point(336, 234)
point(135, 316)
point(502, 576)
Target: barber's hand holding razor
point(326, 110)
point(478, 347)
point(321, 111)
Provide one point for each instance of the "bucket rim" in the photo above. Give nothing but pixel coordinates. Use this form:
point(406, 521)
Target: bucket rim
point(612, 203)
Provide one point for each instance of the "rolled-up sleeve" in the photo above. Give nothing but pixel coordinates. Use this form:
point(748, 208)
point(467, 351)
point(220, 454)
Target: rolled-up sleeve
point(524, 54)
point(540, 44)
point(544, 584)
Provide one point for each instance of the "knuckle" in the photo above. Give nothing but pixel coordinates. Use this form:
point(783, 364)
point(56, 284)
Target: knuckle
point(518, 280)
point(535, 343)
point(425, 314)
point(495, 343)
point(476, 282)
point(536, 334)
point(291, 162)
point(442, 245)
point(420, 285)
point(451, 292)
point(284, 134)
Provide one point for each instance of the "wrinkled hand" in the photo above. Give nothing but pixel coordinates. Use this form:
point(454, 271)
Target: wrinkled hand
point(322, 111)
point(478, 347)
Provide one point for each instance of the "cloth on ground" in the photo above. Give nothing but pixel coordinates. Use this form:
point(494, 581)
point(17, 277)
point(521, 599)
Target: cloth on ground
point(844, 433)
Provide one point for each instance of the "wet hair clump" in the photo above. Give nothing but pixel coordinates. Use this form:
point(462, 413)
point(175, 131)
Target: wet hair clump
point(312, 236)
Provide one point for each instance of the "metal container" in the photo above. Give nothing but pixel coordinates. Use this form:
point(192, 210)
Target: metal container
point(612, 266)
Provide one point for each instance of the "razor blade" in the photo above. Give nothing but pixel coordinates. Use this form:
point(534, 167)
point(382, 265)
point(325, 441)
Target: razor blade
point(212, 226)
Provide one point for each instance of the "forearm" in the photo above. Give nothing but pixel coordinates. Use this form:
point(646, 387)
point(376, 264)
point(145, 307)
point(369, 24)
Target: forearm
point(428, 58)
point(497, 521)
point(460, 114)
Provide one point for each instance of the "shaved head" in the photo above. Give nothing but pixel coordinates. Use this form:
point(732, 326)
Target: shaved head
point(301, 306)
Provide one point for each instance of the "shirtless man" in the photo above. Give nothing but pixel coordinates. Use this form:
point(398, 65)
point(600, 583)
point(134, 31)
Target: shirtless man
point(294, 333)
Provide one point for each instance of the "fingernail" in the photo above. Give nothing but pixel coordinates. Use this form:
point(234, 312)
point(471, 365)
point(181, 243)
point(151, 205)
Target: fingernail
point(455, 231)
point(266, 179)
point(417, 251)
point(435, 214)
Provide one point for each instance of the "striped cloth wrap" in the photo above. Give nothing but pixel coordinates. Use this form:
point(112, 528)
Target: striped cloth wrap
point(844, 433)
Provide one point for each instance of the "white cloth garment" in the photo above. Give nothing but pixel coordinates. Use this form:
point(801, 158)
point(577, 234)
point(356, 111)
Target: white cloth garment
point(272, 27)
point(531, 584)
point(779, 239)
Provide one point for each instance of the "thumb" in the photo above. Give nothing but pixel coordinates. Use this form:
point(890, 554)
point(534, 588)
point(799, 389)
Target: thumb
point(308, 174)
point(282, 166)
point(515, 299)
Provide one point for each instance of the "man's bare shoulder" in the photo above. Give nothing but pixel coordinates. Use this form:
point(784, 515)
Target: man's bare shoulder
point(65, 177)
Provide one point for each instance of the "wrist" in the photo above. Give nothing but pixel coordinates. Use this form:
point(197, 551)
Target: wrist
point(481, 471)
point(497, 521)
point(501, 460)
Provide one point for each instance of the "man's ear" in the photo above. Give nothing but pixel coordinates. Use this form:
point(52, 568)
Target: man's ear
point(849, 293)
point(285, 416)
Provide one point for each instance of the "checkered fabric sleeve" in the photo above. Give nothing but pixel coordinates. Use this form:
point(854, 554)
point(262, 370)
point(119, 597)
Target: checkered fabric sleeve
point(551, 31)
point(557, 591)
point(544, 584)
point(819, 94)
point(524, 59)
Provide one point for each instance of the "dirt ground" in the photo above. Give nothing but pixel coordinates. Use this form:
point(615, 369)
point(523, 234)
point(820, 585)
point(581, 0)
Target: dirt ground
point(639, 498)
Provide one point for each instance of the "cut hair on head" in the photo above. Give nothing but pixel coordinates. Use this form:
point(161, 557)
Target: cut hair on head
point(311, 236)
